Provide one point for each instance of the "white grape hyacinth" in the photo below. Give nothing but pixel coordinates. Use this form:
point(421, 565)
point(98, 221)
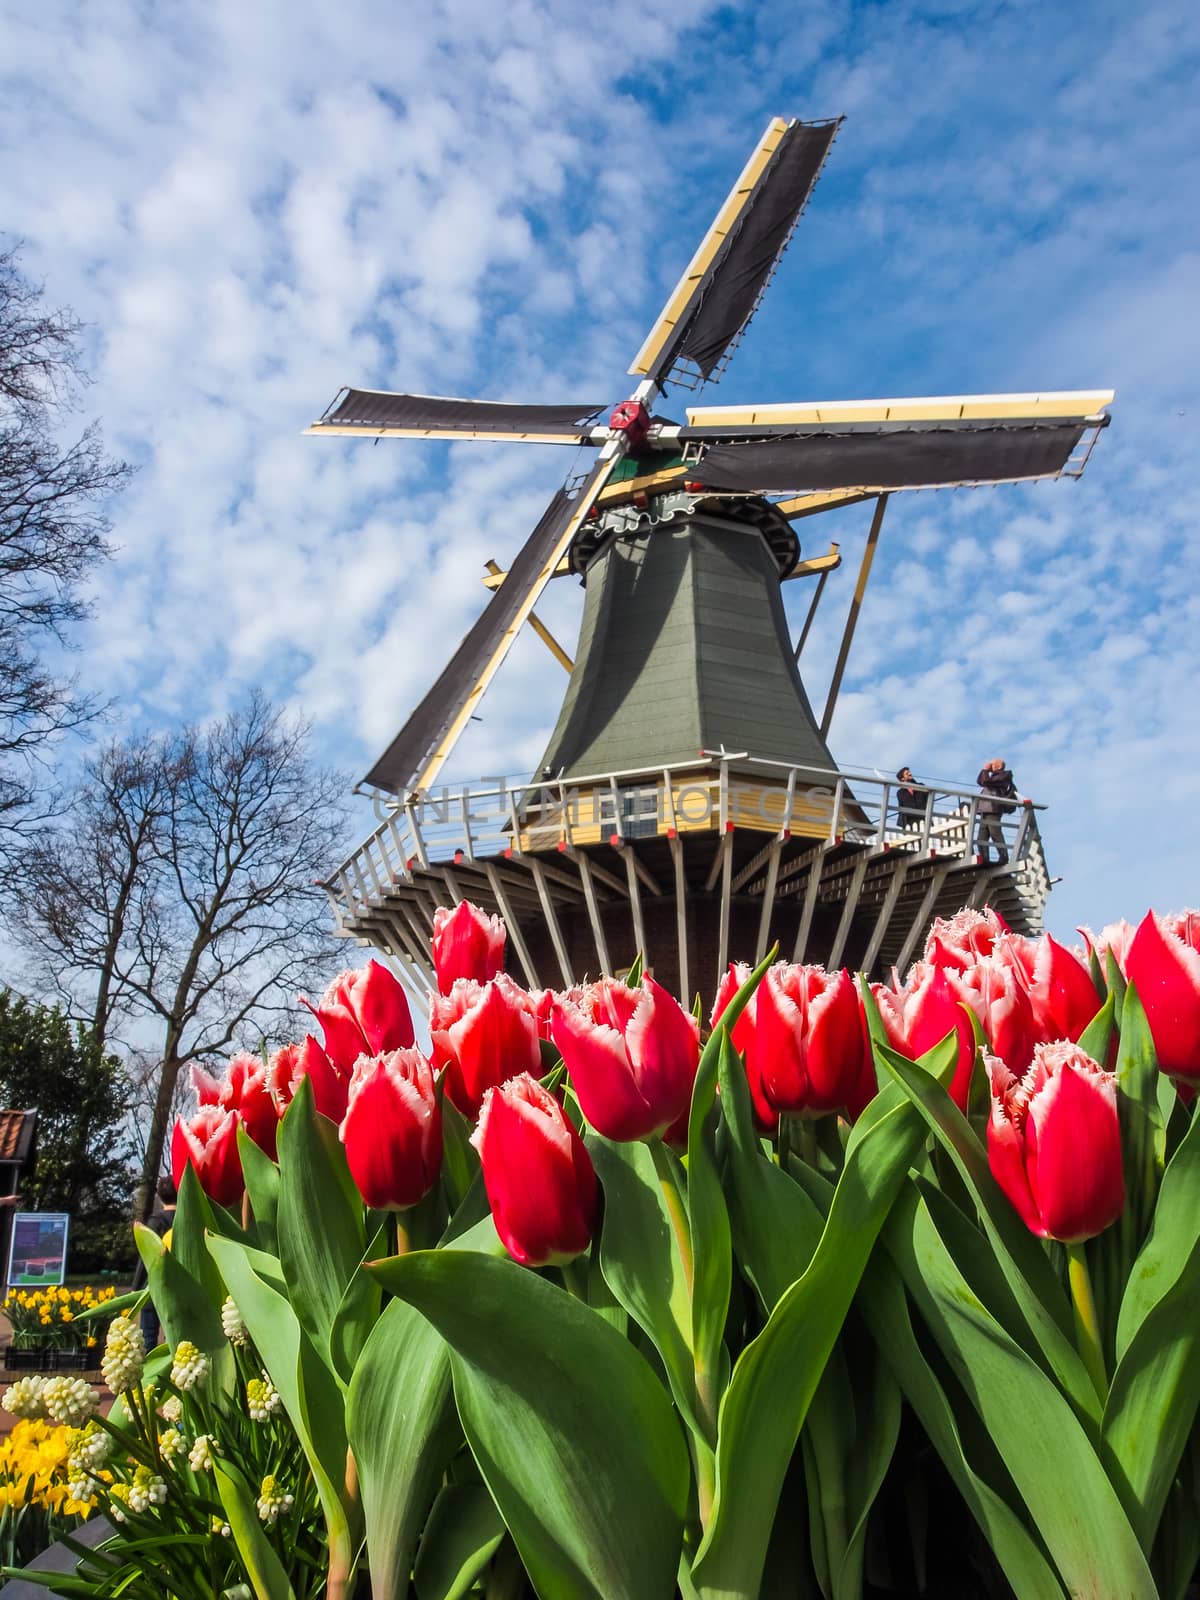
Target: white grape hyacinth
point(200, 1456)
point(271, 1502)
point(69, 1400)
point(262, 1399)
point(124, 1354)
point(232, 1325)
point(24, 1398)
point(191, 1366)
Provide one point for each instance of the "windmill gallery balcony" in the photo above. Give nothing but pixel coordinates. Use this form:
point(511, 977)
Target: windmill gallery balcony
point(692, 864)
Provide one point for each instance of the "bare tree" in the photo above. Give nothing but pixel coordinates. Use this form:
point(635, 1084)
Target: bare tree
point(184, 892)
point(52, 533)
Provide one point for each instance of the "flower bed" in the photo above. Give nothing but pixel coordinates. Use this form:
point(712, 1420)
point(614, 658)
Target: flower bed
point(586, 1302)
point(46, 1322)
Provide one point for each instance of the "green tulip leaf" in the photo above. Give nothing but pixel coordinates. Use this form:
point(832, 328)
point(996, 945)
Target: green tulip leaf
point(1021, 1557)
point(1097, 1036)
point(1053, 1464)
point(1034, 1287)
point(775, 1226)
point(574, 1435)
point(262, 1185)
point(1155, 1391)
point(321, 1230)
point(186, 1307)
point(402, 1430)
point(1111, 1256)
point(266, 1571)
point(777, 1373)
point(633, 977)
point(642, 1260)
point(712, 1250)
point(462, 1535)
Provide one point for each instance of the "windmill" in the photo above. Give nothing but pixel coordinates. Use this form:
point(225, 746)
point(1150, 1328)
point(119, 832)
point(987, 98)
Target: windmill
point(687, 805)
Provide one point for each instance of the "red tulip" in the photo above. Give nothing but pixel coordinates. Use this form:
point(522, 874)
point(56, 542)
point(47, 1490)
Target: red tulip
point(539, 1178)
point(207, 1141)
point(364, 1012)
point(809, 1040)
point(997, 996)
point(1059, 986)
point(483, 1034)
point(1116, 937)
point(632, 1055)
point(392, 1129)
point(1164, 964)
point(742, 1039)
point(543, 1001)
point(467, 943)
point(920, 1014)
point(243, 1089)
point(330, 1088)
point(1054, 1142)
point(959, 941)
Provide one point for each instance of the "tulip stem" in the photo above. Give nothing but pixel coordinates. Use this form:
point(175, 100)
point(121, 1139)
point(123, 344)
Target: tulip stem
point(573, 1280)
point(1087, 1323)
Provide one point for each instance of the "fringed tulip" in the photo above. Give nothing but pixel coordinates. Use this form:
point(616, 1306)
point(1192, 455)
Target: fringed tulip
point(809, 1040)
point(1054, 1142)
point(632, 1055)
point(1113, 939)
point(539, 1178)
point(959, 941)
point(392, 1130)
point(997, 996)
point(1163, 964)
point(364, 1012)
point(1060, 988)
point(742, 1039)
point(330, 1088)
point(920, 1014)
point(243, 1089)
point(483, 1034)
point(467, 943)
point(207, 1141)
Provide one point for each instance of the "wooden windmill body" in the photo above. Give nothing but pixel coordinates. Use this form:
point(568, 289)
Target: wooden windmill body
point(687, 806)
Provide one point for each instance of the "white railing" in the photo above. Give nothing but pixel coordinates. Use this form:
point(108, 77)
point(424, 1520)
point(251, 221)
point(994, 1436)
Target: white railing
point(718, 791)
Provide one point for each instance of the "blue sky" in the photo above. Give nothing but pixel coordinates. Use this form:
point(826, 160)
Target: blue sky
point(252, 205)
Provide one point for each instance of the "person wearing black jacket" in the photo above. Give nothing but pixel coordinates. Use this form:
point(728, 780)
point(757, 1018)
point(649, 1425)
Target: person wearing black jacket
point(999, 795)
point(910, 800)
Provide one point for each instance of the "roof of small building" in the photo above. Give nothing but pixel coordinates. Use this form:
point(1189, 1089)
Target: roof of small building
point(17, 1129)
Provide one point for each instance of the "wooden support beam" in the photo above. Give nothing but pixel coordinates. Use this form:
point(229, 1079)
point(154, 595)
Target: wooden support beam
point(900, 867)
point(514, 931)
point(681, 920)
point(810, 903)
point(535, 622)
point(635, 900)
point(768, 899)
point(860, 588)
point(589, 895)
point(924, 912)
point(853, 890)
point(551, 916)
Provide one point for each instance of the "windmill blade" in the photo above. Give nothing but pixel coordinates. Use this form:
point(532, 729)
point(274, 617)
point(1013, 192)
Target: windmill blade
point(713, 302)
point(422, 416)
point(915, 444)
point(419, 751)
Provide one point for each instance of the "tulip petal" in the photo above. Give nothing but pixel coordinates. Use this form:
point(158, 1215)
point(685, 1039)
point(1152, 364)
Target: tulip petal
point(1166, 971)
point(381, 1009)
point(596, 1059)
point(539, 1177)
point(663, 1045)
point(1073, 1154)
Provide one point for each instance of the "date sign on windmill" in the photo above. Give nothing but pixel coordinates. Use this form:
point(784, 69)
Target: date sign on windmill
point(687, 806)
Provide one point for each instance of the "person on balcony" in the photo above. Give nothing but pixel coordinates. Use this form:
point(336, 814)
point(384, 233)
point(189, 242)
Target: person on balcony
point(999, 796)
point(910, 800)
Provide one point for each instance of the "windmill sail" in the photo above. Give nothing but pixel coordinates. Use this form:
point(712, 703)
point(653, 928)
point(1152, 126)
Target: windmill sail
point(423, 416)
point(720, 290)
point(903, 458)
point(418, 751)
